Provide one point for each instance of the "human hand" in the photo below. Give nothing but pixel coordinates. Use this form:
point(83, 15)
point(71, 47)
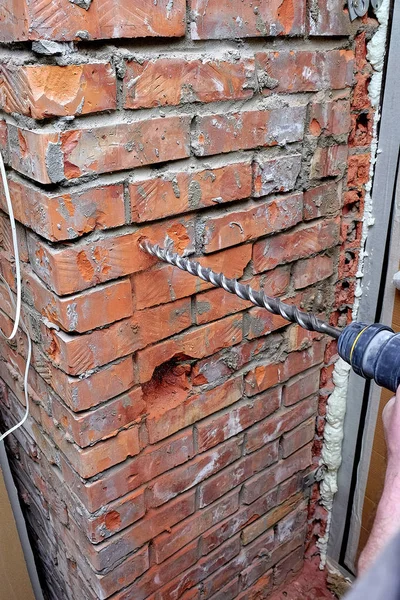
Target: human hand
point(391, 424)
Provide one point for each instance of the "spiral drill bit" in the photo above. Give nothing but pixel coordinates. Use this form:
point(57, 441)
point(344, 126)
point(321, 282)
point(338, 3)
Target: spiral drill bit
point(273, 305)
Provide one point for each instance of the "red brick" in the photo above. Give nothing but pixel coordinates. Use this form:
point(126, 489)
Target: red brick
point(268, 521)
point(330, 118)
point(99, 306)
point(224, 363)
point(287, 247)
point(266, 480)
point(42, 91)
point(358, 173)
point(169, 485)
point(103, 20)
point(172, 81)
point(85, 428)
point(322, 201)
point(170, 542)
point(92, 460)
point(301, 387)
point(114, 517)
point(266, 376)
point(215, 430)
point(83, 393)
point(215, 134)
point(299, 437)
point(198, 343)
point(68, 214)
point(329, 20)
point(305, 71)
point(307, 272)
point(204, 567)
point(273, 175)
point(211, 20)
point(240, 226)
point(218, 534)
point(124, 146)
point(276, 425)
point(238, 473)
point(181, 191)
point(286, 568)
point(4, 139)
point(29, 151)
point(71, 268)
point(259, 322)
point(228, 592)
point(294, 521)
point(152, 462)
point(164, 283)
point(160, 575)
point(329, 161)
point(165, 421)
point(261, 587)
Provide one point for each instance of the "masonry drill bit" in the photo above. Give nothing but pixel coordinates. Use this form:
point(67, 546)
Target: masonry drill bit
point(273, 305)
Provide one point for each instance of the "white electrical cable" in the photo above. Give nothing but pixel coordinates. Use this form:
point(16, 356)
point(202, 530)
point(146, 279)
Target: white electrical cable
point(17, 319)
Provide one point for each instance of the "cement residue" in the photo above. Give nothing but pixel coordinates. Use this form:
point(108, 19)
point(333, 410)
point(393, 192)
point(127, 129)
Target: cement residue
point(331, 456)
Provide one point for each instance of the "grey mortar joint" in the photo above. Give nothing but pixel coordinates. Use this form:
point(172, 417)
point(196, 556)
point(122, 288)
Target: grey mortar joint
point(55, 162)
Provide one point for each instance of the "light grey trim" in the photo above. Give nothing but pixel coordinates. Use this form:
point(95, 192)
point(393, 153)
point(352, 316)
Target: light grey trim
point(382, 194)
point(20, 522)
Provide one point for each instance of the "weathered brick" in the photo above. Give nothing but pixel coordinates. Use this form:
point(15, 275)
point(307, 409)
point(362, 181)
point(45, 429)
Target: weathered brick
point(240, 226)
point(305, 71)
point(322, 201)
point(164, 283)
point(307, 272)
point(266, 480)
point(291, 523)
point(124, 478)
point(172, 81)
point(328, 20)
point(261, 525)
point(276, 425)
point(287, 247)
point(266, 376)
point(97, 307)
point(42, 91)
point(83, 393)
point(358, 172)
point(123, 146)
point(214, 430)
point(198, 343)
point(71, 268)
point(170, 542)
point(164, 421)
point(68, 214)
point(297, 438)
point(101, 20)
point(29, 151)
point(273, 175)
point(300, 387)
point(248, 129)
point(285, 569)
point(204, 567)
point(85, 428)
point(181, 191)
point(94, 459)
point(330, 118)
point(211, 20)
point(169, 485)
point(236, 474)
point(329, 161)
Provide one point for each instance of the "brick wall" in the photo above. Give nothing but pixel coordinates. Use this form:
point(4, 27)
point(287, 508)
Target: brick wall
point(171, 423)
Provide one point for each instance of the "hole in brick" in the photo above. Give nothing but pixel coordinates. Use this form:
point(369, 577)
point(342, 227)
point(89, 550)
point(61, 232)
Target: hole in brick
point(349, 257)
point(169, 386)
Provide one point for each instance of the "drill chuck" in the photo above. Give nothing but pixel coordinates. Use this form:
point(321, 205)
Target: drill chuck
point(373, 351)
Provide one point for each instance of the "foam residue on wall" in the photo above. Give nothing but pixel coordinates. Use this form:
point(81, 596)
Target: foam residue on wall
point(331, 456)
